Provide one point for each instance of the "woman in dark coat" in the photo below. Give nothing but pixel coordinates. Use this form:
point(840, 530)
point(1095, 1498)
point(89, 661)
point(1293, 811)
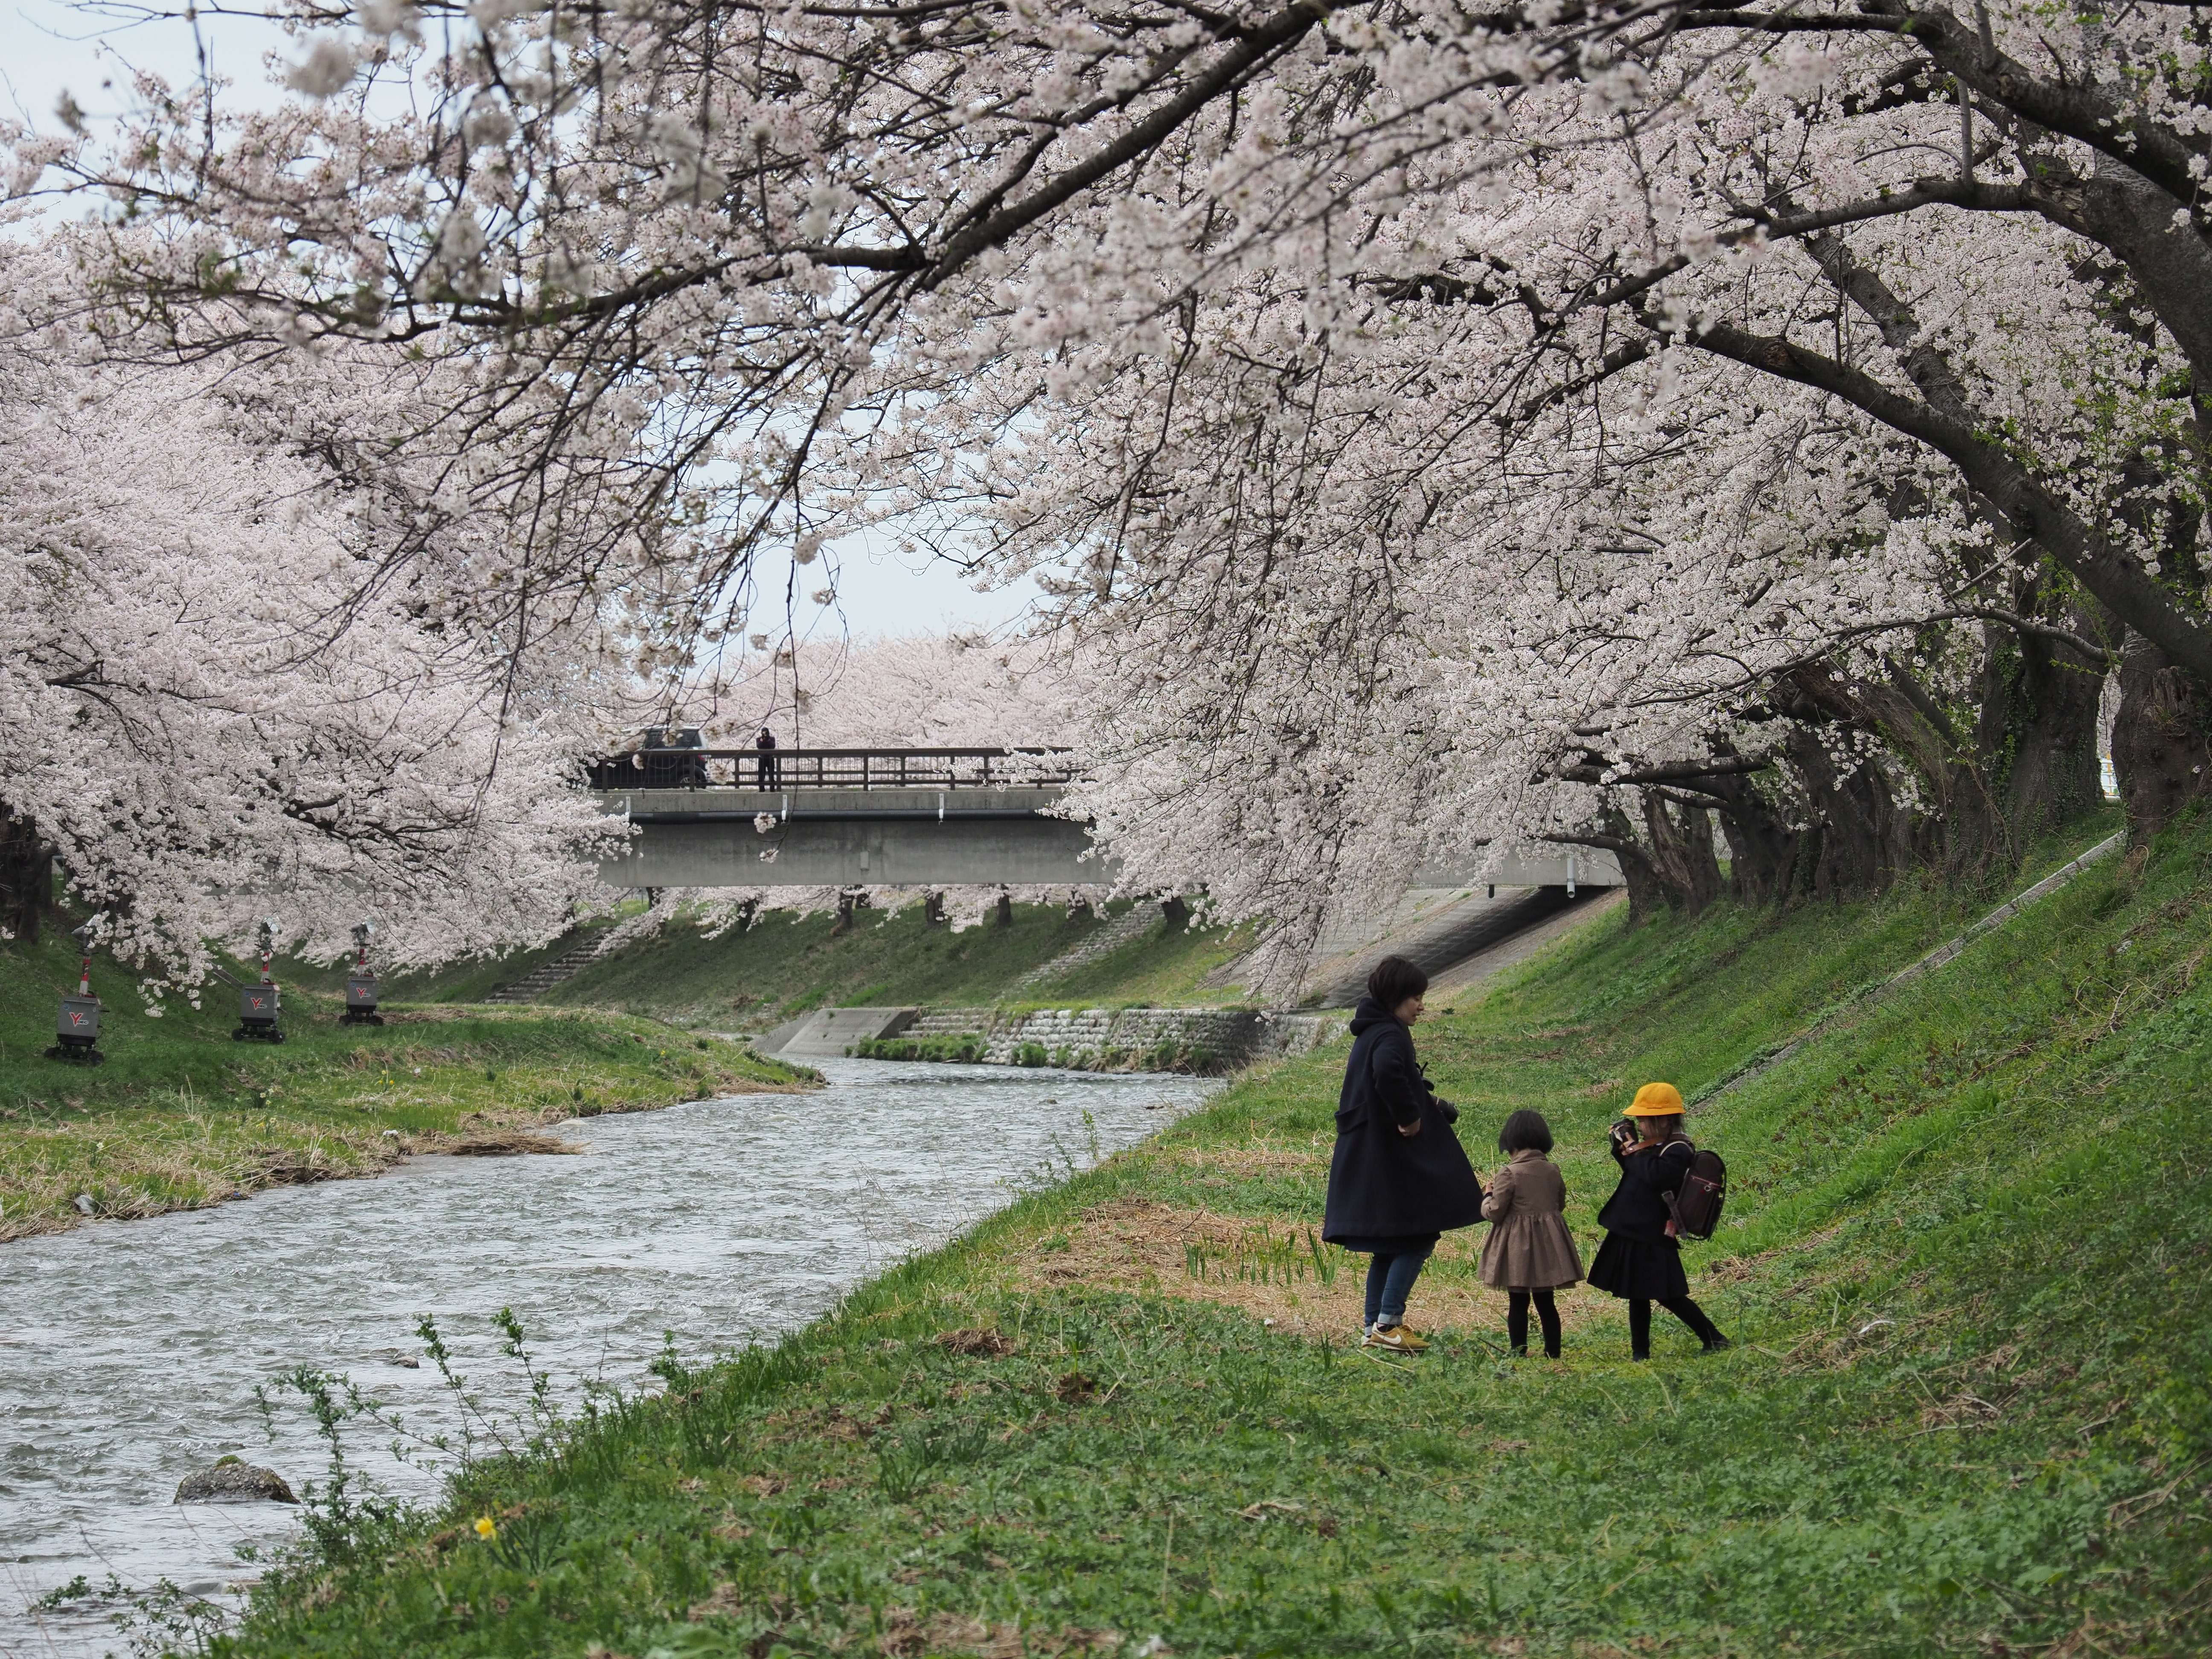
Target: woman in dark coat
point(1640, 1259)
point(1398, 1178)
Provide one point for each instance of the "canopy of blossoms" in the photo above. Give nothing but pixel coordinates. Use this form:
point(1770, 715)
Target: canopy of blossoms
point(206, 715)
point(1450, 426)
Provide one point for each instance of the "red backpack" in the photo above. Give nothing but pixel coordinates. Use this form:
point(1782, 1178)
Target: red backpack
point(1697, 1208)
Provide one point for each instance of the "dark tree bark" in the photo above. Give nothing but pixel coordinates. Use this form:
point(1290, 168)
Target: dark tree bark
point(2025, 763)
point(2047, 701)
point(25, 876)
point(1177, 911)
point(1647, 894)
point(932, 909)
point(1671, 865)
point(1005, 916)
point(1864, 839)
point(2160, 749)
point(1763, 848)
point(1681, 837)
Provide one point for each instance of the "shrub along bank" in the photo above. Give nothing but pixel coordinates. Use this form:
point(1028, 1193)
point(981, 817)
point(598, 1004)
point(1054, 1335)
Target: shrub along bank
point(181, 1116)
point(1968, 1409)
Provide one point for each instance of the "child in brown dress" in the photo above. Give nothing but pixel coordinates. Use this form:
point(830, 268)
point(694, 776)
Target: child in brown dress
point(1529, 1253)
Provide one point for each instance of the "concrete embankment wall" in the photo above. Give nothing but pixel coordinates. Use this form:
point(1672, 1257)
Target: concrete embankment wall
point(1085, 1039)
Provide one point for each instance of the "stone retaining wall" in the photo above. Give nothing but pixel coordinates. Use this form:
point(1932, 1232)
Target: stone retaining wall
point(1127, 1039)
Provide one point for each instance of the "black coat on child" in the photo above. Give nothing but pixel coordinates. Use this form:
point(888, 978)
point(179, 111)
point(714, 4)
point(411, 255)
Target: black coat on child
point(1638, 1258)
point(1386, 1189)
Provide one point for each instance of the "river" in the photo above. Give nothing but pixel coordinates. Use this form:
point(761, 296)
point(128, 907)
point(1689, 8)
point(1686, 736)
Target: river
point(129, 1351)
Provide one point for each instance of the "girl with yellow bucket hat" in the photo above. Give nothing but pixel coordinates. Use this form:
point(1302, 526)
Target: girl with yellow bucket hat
point(1639, 1260)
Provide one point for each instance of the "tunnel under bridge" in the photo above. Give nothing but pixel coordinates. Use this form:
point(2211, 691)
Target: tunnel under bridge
point(901, 818)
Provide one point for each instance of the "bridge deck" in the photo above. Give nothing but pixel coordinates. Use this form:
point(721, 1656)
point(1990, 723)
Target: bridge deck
point(778, 769)
point(879, 802)
point(899, 818)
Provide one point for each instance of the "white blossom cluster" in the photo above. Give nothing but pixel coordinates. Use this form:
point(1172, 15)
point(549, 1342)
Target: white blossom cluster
point(1441, 427)
point(208, 718)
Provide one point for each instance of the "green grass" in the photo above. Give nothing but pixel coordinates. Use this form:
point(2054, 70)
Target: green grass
point(181, 1116)
point(1968, 1410)
point(781, 967)
point(1164, 967)
point(469, 980)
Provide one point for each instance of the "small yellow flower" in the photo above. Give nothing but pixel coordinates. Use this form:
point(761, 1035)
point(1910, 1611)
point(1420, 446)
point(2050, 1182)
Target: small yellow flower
point(486, 1528)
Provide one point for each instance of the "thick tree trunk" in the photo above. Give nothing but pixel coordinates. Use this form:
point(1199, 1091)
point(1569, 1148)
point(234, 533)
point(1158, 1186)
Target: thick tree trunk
point(25, 876)
point(1864, 840)
point(1681, 837)
point(2052, 776)
point(1647, 896)
point(1671, 865)
point(1762, 849)
point(2160, 753)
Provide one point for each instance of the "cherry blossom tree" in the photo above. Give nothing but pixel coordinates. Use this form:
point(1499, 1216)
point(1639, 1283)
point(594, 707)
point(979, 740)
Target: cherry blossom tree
point(1451, 426)
point(206, 719)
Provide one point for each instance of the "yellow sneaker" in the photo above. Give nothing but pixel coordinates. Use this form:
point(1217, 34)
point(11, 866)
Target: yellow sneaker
point(1397, 1339)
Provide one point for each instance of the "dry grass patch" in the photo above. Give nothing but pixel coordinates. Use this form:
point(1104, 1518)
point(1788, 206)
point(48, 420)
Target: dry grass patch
point(1254, 1159)
point(1281, 1274)
point(502, 1143)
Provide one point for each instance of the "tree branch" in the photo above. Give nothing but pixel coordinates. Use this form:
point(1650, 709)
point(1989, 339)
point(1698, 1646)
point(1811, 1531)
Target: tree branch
point(2032, 511)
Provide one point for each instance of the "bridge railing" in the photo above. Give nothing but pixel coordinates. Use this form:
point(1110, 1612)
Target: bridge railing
point(831, 769)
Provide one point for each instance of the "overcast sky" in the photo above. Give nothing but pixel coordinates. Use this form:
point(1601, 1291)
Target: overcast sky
point(50, 46)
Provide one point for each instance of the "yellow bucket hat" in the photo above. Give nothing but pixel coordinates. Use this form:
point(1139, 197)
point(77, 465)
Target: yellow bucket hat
point(1656, 1100)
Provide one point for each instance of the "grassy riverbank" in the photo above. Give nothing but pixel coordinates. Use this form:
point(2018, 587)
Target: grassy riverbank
point(782, 966)
point(1968, 1410)
point(181, 1116)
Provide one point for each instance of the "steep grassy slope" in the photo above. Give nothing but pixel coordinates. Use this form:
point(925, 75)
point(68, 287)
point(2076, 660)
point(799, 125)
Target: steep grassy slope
point(469, 980)
point(780, 966)
point(181, 1116)
point(1970, 1409)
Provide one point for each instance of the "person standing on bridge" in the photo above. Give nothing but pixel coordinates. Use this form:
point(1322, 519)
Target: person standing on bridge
point(771, 774)
point(1399, 1178)
point(1640, 1260)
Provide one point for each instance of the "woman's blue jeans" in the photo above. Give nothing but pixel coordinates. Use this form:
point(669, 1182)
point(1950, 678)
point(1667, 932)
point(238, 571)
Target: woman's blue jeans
point(1389, 1282)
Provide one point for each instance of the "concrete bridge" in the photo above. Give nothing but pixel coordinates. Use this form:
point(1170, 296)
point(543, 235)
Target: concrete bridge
point(895, 818)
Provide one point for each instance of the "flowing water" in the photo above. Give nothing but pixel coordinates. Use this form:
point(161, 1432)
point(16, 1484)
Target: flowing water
point(130, 1351)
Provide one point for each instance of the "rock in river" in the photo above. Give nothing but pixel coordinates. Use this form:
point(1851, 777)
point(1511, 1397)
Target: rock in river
point(228, 1480)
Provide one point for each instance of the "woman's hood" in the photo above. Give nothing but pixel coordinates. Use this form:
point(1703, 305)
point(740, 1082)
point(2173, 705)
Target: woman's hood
point(1369, 1014)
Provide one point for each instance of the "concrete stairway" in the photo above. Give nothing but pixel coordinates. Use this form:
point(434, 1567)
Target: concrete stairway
point(1438, 935)
point(547, 975)
point(1465, 975)
point(1124, 929)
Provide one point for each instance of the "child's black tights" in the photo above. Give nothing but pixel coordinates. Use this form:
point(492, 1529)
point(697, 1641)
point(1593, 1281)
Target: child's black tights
point(1547, 1315)
point(1639, 1323)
